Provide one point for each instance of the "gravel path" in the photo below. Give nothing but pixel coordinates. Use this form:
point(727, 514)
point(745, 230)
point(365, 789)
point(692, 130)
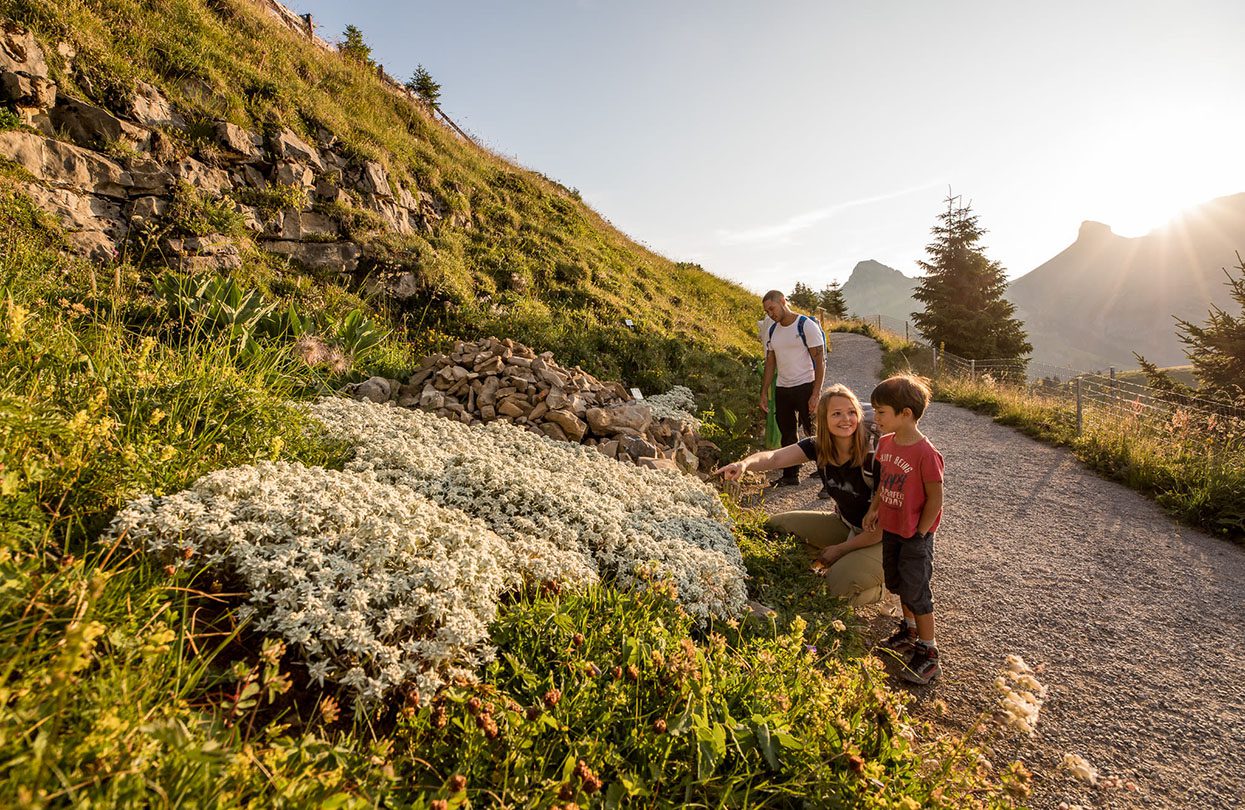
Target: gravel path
point(1135, 623)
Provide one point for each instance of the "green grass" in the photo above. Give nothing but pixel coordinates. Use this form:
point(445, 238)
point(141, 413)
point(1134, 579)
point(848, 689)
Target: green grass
point(124, 684)
point(532, 252)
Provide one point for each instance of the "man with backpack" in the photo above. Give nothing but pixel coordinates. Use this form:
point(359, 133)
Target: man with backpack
point(794, 352)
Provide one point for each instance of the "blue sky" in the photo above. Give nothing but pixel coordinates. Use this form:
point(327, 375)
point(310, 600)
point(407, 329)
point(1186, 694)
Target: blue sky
point(785, 141)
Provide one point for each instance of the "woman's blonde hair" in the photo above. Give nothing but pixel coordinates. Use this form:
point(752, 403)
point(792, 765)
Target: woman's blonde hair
point(825, 439)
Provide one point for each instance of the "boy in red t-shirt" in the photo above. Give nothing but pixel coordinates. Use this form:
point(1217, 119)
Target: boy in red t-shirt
point(908, 506)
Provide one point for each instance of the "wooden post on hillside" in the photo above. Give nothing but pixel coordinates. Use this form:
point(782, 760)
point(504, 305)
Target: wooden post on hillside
point(1079, 413)
point(933, 350)
point(905, 333)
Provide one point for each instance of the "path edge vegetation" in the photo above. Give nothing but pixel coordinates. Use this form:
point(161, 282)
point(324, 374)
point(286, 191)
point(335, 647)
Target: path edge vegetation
point(1200, 484)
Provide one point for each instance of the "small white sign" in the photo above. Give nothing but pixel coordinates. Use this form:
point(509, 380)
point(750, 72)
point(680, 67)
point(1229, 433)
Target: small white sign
point(628, 322)
point(635, 394)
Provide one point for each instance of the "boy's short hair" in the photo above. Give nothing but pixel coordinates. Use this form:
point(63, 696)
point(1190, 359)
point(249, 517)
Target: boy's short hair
point(772, 295)
point(902, 391)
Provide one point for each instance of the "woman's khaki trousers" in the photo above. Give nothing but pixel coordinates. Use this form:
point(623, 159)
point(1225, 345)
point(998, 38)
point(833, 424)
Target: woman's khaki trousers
point(857, 576)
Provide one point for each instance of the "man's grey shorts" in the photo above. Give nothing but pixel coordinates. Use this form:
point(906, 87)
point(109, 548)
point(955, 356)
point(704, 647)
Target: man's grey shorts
point(907, 567)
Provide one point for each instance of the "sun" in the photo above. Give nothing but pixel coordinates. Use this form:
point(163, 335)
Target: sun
point(1145, 175)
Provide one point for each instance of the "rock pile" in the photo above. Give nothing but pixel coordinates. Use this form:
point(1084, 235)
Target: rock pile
point(500, 379)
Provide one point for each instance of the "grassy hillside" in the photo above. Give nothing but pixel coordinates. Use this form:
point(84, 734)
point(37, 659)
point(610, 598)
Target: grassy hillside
point(125, 682)
point(534, 262)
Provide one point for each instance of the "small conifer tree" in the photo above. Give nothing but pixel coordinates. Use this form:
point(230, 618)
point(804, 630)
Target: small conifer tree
point(802, 296)
point(354, 48)
point(832, 301)
point(962, 290)
point(423, 86)
point(1217, 348)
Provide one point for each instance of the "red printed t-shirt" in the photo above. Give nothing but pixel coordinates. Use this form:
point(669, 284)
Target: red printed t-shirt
point(904, 469)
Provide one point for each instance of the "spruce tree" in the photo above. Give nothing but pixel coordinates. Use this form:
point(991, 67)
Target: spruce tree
point(1217, 348)
point(423, 86)
point(965, 311)
point(803, 297)
point(353, 47)
point(832, 301)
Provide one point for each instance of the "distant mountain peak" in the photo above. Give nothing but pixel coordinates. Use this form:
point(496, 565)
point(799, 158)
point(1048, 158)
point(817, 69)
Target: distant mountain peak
point(871, 267)
point(1091, 230)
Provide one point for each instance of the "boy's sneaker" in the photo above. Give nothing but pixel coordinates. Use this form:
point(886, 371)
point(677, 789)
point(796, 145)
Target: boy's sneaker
point(785, 482)
point(901, 640)
point(824, 493)
point(923, 666)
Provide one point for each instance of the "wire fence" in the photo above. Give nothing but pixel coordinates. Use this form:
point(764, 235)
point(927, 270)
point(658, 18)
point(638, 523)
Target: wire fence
point(1085, 399)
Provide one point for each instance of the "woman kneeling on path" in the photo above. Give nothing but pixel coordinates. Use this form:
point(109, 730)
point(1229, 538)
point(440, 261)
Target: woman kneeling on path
point(850, 558)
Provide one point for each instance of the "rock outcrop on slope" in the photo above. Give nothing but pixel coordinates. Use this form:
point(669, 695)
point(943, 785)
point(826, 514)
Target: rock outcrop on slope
point(494, 379)
point(112, 181)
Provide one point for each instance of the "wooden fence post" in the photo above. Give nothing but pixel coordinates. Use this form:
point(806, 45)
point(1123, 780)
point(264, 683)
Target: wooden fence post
point(1079, 413)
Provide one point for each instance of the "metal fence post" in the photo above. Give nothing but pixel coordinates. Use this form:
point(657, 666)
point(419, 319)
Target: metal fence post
point(1079, 413)
point(972, 369)
point(934, 351)
point(905, 331)
point(879, 321)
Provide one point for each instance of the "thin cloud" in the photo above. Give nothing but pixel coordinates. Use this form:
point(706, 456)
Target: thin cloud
point(781, 232)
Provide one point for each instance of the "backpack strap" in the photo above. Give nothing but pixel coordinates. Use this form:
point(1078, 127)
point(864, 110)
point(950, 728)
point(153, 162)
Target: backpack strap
point(869, 471)
point(799, 327)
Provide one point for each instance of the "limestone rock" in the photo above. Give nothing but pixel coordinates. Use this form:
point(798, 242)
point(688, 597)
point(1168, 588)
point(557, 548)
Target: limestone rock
point(655, 463)
point(94, 127)
point(150, 108)
point(335, 256)
point(375, 389)
point(20, 51)
point(287, 146)
point(630, 417)
point(636, 446)
point(292, 173)
point(709, 454)
point(238, 142)
point(62, 164)
point(431, 398)
point(570, 424)
point(78, 212)
point(195, 254)
point(206, 179)
point(508, 407)
point(23, 90)
point(553, 431)
point(307, 225)
point(375, 181)
point(148, 208)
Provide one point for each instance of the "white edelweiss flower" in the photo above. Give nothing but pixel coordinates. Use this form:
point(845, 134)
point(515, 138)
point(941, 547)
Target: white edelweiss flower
point(394, 565)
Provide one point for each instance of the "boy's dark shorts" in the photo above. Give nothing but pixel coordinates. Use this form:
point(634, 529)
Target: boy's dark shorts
point(907, 566)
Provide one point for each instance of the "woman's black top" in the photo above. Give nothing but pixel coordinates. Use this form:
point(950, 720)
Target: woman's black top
point(850, 487)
